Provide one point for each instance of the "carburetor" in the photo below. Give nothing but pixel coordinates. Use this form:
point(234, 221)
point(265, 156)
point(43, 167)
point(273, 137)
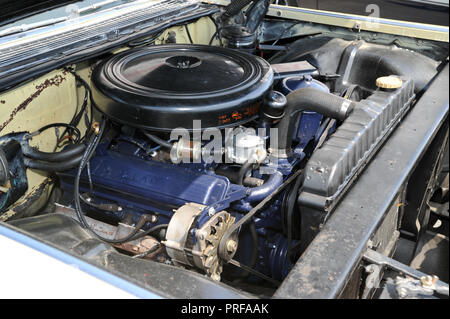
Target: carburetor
point(245, 146)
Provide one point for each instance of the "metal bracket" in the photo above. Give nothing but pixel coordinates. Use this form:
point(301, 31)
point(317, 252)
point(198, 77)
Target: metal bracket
point(374, 257)
point(234, 195)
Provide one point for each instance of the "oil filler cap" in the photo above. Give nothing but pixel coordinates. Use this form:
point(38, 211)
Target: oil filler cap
point(389, 82)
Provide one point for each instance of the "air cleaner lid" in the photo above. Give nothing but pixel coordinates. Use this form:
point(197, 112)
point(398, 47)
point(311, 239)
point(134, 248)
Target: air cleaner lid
point(168, 86)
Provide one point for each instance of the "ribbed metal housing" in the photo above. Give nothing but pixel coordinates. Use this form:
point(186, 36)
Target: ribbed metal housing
point(331, 168)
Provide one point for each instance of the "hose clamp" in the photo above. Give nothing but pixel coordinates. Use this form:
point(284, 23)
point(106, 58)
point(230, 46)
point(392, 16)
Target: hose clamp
point(346, 108)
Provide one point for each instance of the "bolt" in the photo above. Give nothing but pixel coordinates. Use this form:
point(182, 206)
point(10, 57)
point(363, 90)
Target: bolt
point(231, 246)
point(95, 127)
point(211, 211)
point(403, 292)
point(428, 281)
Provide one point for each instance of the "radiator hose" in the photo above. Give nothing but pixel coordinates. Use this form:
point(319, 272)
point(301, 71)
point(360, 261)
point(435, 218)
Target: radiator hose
point(235, 7)
point(308, 99)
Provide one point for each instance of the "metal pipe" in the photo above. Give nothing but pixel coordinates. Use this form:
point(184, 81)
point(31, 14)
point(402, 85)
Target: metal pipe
point(259, 193)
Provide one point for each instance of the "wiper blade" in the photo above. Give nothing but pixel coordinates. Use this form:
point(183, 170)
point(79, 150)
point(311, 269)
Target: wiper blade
point(75, 13)
point(96, 6)
point(31, 26)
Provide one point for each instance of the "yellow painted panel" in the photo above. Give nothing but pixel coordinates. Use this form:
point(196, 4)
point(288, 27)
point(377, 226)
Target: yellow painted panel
point(350, 21)
point(47, 99)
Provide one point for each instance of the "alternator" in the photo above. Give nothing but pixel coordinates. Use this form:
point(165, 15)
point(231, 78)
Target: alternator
point(198, 247)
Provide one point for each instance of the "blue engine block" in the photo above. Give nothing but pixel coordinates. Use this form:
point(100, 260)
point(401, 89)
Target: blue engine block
point(124, 174)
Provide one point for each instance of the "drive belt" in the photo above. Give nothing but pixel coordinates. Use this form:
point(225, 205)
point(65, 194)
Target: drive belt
point(222, 246)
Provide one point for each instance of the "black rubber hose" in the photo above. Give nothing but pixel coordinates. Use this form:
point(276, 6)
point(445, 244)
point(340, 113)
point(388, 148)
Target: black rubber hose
point(309, 99)
point(65, 155)
point(244, 169)
point(157, 140)
point(53, 167)
point(235, 7)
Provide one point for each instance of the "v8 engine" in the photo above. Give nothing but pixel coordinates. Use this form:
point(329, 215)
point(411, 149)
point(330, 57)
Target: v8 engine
point(222, 148)
point(196, 141)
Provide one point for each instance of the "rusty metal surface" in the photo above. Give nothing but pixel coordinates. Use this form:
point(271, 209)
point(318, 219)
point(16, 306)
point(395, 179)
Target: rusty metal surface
point(134, 247)
point(54, 97)
point(31, 203)
point(54, 81)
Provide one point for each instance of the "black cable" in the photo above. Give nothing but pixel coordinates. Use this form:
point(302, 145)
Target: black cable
point(284, 32)
point(148, 252)
point(104, 207)
point(87, 96)
point(157, 140)
point(188, 33)
point(77, 116)
point(213, 36)
point(217, 32)
point(139, 145)
point(137, 43)
point(66, 125)
point(88, 169)
point(92, 145)
point(152, 230)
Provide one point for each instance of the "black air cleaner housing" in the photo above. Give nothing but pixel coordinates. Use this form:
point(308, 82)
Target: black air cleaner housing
point(168, 86)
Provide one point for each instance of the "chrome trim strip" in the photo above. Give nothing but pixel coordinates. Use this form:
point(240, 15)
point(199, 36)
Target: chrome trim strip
point(428, 27)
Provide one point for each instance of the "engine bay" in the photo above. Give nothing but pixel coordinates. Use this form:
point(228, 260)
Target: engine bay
point(224, 157)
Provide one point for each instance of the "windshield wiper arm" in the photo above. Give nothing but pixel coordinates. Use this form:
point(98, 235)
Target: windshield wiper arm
point(48, 22)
